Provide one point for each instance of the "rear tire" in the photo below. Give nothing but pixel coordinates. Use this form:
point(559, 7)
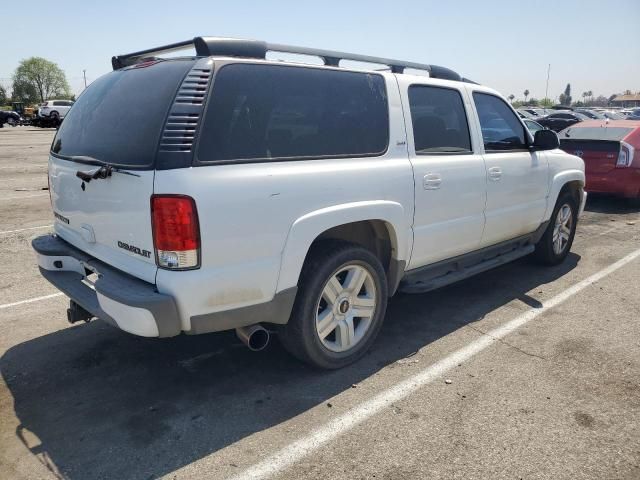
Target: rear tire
point(339, 307)
point(555, 244)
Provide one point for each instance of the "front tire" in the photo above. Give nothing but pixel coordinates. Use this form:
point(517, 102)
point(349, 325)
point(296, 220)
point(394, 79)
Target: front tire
point(339, 308)
point(555, 244)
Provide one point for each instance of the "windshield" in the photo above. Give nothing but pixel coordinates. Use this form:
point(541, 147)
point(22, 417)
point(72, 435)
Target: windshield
point(119, 118)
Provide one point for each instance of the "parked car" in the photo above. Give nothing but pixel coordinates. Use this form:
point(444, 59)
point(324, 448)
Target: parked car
point(612, 115)
point(536, 112)
point(533, 126)
point(610, 153)
point(562, 119)
point(55, 109)
point(525, 114)
point(634, 114)
point(10, 118)
point(592, 114)
point(291, 197)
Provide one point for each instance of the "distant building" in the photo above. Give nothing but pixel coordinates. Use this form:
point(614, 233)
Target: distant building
point(626, 101)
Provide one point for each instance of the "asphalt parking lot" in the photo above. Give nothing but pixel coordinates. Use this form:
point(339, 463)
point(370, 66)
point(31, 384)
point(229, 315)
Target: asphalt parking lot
point(523, 372)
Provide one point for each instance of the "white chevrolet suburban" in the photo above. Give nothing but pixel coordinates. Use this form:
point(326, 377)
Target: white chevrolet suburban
point(272, 196)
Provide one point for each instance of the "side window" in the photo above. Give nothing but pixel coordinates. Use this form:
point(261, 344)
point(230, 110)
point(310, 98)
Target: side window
point(282, 112)
point(58, 103)
point(501, 129)
point(439, 120)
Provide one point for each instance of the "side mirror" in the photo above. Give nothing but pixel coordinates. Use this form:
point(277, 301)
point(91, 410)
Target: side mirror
point(545, 140)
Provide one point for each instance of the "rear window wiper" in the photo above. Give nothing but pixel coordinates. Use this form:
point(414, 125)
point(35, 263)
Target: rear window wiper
point(104, 171)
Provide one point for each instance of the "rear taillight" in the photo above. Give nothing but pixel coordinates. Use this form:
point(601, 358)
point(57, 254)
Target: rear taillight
point(176, 233)
point(625, 157)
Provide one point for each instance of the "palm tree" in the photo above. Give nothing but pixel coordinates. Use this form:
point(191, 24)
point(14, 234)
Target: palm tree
point(526, 94)
point(590, 95)
point(584, 96)
point(511, 97)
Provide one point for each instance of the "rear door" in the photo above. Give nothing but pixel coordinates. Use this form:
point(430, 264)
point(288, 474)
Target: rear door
point(450, 180)
point(118, 120)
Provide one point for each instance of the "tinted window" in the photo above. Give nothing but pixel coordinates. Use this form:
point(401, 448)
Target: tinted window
point(119, 118)
point(439, 120)
point(501, 128)
point(269, 111)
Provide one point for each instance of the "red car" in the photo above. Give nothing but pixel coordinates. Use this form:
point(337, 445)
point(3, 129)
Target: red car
point(611, 154)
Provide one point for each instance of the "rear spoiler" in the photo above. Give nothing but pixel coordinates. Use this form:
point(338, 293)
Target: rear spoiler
point(235, 47)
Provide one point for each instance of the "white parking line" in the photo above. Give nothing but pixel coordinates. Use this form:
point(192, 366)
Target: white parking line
point(25, 229)
point(350, 419)
point(30, 300)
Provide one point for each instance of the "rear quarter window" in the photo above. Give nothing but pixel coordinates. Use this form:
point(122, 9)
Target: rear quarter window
point(269, 112)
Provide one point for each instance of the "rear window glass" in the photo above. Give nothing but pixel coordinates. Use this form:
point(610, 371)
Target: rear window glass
point(273, 112)
point(119, 118)
point(595, 133)
point(439, 120)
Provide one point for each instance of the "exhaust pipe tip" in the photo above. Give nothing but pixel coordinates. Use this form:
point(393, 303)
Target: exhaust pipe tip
point(255, 337)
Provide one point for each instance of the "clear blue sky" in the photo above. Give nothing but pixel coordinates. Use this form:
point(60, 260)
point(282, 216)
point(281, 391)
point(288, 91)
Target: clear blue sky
point(505, 44)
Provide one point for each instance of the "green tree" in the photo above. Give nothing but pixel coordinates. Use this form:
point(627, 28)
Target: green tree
point(37, 79)
point(565, 98)
point(600, 101)
point(546, 102)
point(3, 95)
point(526, 94)
point(511, 97)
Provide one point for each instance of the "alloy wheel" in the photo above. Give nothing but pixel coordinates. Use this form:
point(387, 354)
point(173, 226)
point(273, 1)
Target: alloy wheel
point(346, 308)
point(562, 229)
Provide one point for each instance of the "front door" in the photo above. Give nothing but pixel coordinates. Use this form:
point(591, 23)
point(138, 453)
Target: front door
point(450, 179)
point(517, 178)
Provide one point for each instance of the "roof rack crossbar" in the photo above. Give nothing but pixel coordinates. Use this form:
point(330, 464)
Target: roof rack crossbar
point(208, 46)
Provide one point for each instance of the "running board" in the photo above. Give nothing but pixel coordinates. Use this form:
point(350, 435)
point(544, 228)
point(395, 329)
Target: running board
point(450, 271)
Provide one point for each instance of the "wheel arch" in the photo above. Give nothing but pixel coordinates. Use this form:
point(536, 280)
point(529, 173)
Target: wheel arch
point(572, 181)
point(379, 226)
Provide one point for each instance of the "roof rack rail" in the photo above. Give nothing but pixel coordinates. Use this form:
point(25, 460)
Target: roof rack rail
point(235, 47)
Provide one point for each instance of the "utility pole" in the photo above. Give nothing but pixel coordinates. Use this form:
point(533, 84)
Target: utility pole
point(546, 92)
point(84, 74)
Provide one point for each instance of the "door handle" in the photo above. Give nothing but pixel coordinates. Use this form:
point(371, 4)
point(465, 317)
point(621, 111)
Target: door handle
point(495, 173)
point(431, 181)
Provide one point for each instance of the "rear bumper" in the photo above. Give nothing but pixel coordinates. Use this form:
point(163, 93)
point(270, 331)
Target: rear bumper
point(124, 301)
point(624, 182)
